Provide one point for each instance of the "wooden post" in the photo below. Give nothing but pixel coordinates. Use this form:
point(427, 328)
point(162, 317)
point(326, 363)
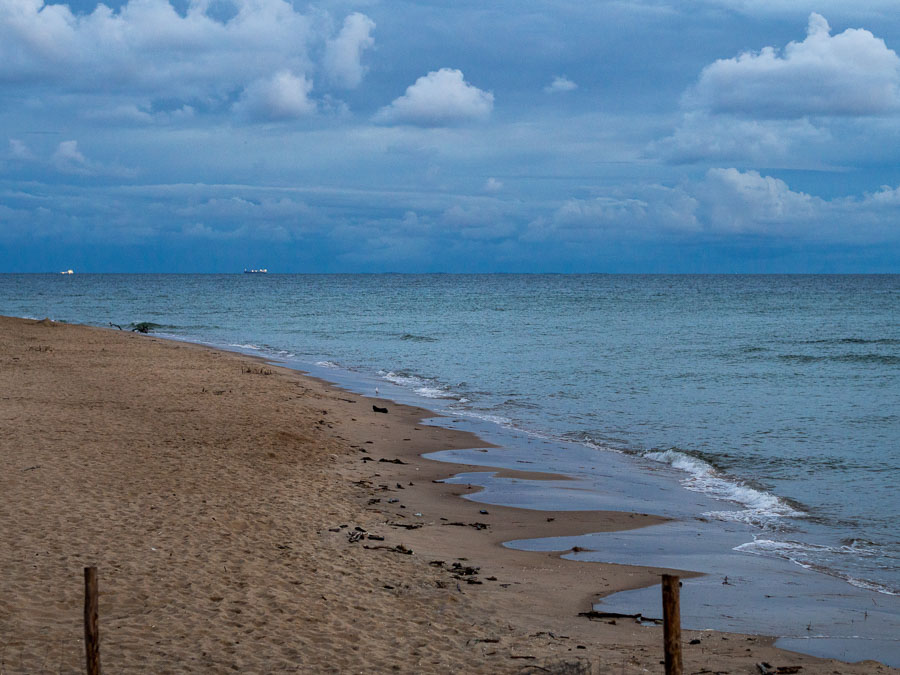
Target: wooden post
point(671, 624)
point(91, 628)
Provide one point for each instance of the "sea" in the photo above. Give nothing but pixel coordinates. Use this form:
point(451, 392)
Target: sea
point(761, 413)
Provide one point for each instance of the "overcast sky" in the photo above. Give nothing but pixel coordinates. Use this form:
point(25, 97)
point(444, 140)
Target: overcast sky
point(414, 136)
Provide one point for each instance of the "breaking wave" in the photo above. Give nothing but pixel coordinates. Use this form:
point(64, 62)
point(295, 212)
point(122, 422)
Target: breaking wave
point(760, 508)
point(427, 388)
point(255, 348)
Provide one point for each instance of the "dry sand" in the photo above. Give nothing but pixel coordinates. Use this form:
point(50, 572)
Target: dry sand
point(235, 512)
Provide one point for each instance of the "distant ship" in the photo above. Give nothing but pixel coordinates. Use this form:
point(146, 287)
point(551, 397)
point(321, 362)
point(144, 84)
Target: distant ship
point(68, 272)
point(261, 270)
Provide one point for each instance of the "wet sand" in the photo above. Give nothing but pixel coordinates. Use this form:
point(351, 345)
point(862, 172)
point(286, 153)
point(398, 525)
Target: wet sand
point(242, 519)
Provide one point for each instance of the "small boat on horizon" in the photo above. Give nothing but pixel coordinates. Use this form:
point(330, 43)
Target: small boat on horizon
point(261, 270)
point(68, 272)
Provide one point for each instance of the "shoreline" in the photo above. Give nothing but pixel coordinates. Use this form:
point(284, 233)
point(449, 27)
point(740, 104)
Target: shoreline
point(252, 440)
point(648, 414)
point(774, 599)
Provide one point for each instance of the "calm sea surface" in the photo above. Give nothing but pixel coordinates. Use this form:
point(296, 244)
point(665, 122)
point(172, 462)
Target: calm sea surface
point(778, 395)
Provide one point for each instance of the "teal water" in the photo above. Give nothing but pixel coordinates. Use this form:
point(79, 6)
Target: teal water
point(777, 397)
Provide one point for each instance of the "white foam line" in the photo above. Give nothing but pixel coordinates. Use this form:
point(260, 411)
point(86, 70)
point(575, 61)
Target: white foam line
point(421, 386)
point(596, 446)
point(795, 550)
point(761, 507)
point(495, 419)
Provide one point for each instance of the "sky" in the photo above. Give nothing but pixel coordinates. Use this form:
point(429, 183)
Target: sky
point(658, 136)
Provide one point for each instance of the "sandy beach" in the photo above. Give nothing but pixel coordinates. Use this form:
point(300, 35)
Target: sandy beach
point(244, 517)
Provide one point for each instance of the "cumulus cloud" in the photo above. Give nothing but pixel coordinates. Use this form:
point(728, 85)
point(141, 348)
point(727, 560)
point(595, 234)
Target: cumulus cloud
point(343, 54)
point(146, 51)
point(147, 46)
point(887, 197)
point(282, 97)
point(852, 73)
point(725, 202)
point(440, 98)
point(736, 201)
point(68, 159)
point(560, 84)
point(786, 107)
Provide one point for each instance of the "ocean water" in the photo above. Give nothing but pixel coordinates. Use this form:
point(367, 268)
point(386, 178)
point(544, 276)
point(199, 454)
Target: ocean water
point(776, 398)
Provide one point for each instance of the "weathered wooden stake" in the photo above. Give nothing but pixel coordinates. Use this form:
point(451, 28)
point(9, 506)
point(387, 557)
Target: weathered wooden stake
point(671, 624)
point(91, 628)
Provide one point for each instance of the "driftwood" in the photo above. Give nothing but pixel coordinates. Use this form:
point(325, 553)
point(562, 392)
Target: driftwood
point(379, 410)
point(594, 614)
point(563, 667)
point(399, 548)
point(767, 669)
point(460, 570)
point(477, 526)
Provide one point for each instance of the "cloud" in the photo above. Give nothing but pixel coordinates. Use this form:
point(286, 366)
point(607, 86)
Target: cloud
point(635, 211)
point(240, 209)
point(725, 203)
point(125, 113)
point(704, 137)
point(886, 197)
point(18, 150)
point(788, 108)
point(343, 53)
point(134, 114)
point(63, 158)
point(492, 185)
point(282, 97)
point(269, 232)
point(736, 201)
point(440, 98)
point(484, 220)
point(147, 46)
point(68, 159)
point(853, 73)
point(146, 53)
point(560, 84)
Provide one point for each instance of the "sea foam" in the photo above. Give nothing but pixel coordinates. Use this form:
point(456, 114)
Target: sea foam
point(760, 508)
point(818, 557)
